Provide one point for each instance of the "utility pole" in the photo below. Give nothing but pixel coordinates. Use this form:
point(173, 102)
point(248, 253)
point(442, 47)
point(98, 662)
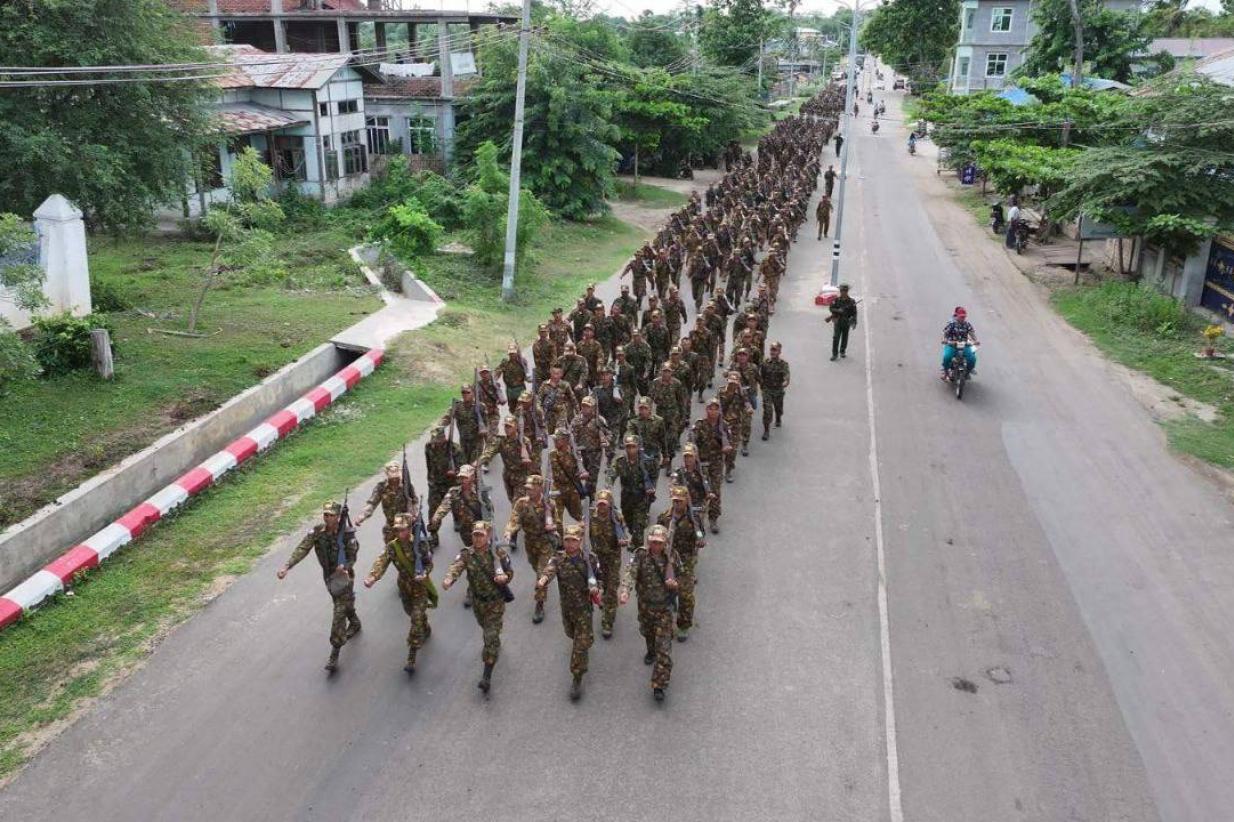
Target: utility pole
point(516, 158)
point(849, 94)
point(792, 49)
point(1078, 25)
point(760, 68)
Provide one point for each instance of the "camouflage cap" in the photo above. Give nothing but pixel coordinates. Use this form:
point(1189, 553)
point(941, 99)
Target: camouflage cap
point(509, 422)
point(484, 368)
point(605, 369)
point(393, 467)
point(775, 346)
point(604, 496)
point(574, 532)
point(479, 527)
point(557, 310)
point(569, 346)
point(631, 439)
point(733, 376)
point(644, 402)
point(657, 533)
point(624, 289)
point(589, 400)
point(713, 401)
point(543, 327)
point(438, 432)
point(676, 349)
point(465, 388)
point(689, 450)
point(525, 398)
point(743, 350)
point(402, 520)
point(332, 508)
point(534, 481)
point(467, 470)
point(844, 286)
point(680, 492)
point(665, 368)
point(621, 349)
point(561, 434)
point(589, 327)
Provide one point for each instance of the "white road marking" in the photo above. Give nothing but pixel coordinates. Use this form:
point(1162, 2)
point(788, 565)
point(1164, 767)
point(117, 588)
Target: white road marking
point(884, 627)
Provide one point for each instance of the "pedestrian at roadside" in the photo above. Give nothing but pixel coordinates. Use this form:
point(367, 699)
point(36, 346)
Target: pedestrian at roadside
point(843, 318)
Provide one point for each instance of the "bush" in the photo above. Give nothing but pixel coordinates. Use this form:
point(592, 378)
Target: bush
point(16, 361)
point(1123, 304)
point(62, 342)
point(439, 196)
point(107, 298)
point(408, 230)
point(484, 211)
point(301, 209)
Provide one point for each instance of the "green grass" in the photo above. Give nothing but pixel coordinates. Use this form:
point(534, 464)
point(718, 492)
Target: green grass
point(57, 432)
point(72, 649)
point(1154, 334)
point(654, 196)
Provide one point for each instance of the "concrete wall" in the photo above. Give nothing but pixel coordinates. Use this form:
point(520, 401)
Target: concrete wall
point(29, 545)
point(61, 236)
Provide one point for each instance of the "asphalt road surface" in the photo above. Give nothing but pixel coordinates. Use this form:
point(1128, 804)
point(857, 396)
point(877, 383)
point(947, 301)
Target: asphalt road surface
point(1049, 589)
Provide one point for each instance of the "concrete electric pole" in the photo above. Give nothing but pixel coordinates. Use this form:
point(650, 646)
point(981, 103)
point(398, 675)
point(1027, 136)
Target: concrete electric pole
point(516, 158)
point(849, 95)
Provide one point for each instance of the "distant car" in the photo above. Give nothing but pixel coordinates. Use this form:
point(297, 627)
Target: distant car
point(880, 86)
point(898, 84)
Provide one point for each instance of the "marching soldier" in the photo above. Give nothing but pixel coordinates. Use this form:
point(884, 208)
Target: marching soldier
point(843, 317)
point(611, 406)
point(533, 515)
point(609, 536)
point(543, 352)
point(569, 478)
point(672, 401)
point(694, 476)
point(337, 569)
point(556, 400)
point(388, 493)
point(627, 383)
point(591, 436)
point(558, 332)
point(674, 314)
point(652, 434)
point(515, 453)
point(489, 572)
point(575, 573)
point(748, 372)
point(658, 339)
point(627, 304)
point(592, 353)
point(637, 474)
point(513, 373)
point(652, 574)
point(701, 343)
point(442, 459)
point(464, 504)
point(531, 424)
point(737, 413)
point(573, 370)
point(490, 398)
point(414, 563)
point(621, 327)
point(468, 419)
point(688, 541)
point(774, 374)
point(639, 356)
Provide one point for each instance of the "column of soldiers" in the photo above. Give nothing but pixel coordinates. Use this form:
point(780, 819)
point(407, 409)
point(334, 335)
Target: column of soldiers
point(608, 390)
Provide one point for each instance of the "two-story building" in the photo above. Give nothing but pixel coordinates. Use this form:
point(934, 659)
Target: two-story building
point(994, 35)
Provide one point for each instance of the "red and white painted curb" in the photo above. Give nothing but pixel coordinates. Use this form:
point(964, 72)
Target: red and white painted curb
point(53, 578)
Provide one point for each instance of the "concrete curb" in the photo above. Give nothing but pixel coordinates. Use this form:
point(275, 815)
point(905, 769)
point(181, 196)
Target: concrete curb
point(57, 575)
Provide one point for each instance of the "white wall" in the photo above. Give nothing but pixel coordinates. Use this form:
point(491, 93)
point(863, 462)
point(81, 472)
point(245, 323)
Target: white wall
point(62, 256)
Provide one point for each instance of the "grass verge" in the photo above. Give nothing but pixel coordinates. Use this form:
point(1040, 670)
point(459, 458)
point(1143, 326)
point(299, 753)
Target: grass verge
point(58, 432)
point(72, 650)
point(650, 195)
point(1154, 334)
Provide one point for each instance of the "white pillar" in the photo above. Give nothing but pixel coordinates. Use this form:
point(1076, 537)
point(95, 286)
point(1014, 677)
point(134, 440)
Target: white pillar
point(62, 254)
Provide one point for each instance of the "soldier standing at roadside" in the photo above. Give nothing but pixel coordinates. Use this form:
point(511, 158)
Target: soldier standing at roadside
point(843, 318)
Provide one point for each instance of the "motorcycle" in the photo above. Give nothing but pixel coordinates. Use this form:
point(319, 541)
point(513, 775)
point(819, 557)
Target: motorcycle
point(1021, 236)
point(912, 147)
point(874, 127)
point(998, 220)
point(957, 370)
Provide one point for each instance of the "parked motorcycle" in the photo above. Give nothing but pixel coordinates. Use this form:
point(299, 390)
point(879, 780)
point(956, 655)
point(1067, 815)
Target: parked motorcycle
point(1021, 236)
point(998, 220)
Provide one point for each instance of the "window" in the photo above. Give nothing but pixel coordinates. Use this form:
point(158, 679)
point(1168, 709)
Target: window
point(379, 141)
point(210, 169)
point(968, 20)
point(331, 157)
point(996, 64)
point(355, 160)
point(348, 106)
point(1000, 19)
point(961, 72)
point(289, 156)
point(421, 135)
point(323, 109)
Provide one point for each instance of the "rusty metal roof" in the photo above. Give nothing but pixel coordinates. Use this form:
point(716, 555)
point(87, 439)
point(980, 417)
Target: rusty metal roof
point(249, 118)
point(250, 67)
point(422, 88)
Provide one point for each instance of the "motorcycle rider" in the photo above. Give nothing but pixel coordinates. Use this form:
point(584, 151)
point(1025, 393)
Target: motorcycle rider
point(955, 333)
point(912, 143)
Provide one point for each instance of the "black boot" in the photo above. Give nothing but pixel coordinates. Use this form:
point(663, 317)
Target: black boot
point(486, 679)
point(650, 656)
point(576, 688)
point(467, 599)
point(715, 526)
point(332, 662)
point(777, 422)
point(538, 616)
point(766, 435)
point(410, 667)
point(658, 693)
point(353, 628)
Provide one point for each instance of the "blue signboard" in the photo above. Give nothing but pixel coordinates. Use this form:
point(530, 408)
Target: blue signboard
point(1218, 293)
point(968, 174)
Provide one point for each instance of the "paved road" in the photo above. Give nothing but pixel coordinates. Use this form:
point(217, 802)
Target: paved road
point(1040, 545)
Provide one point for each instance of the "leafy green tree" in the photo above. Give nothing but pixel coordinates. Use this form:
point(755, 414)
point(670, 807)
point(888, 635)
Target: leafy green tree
point(485, 207)
point(1168, 177)
point(914, 37)
point(117, 150)
point(1113, 40)
point(731, 31)
point(1012, 166)
point(408, 229)
point(653, 40)
point(568, 153)
point(649, 111)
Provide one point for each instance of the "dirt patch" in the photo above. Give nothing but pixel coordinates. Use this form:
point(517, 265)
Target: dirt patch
point(1163, 402)
point(193, 405)
point(965, 685)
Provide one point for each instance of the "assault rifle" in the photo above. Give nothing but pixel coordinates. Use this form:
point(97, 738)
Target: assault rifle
point(589, 559)
point(500, 566)
point(450, 438)
point(670, 573)
point(585, 489)
point(550, 524)
point(695, 511)
point(476, 401)
point(339, 581)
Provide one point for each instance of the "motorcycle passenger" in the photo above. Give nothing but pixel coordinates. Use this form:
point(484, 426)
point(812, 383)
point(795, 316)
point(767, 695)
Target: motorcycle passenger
point(956, 332)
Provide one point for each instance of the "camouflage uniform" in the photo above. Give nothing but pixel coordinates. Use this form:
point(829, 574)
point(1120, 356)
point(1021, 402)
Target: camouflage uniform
point(592, 352)
point(531, 424)
point(710, 440)
point(467, 419)
point(464, 506)
point(658, 339)
point(573, 367)
point(774, 374)
point(653, 436)
point(417, 595)
point(686, 545)
point(321, 542)
point(388, 493)
point(559, 333)
point(543, 352)
point(674, 316)
point(606, 546)
point(733, 408)
point(558, 404)
point(442, 460)
point(700, 342)
point(611, 405)
point(490, 398)
point(566, 483)
point(647, 574)
point(516, 460)
point(639, 356)
point(513, 373)
point(573, 574)
point(635, 501)
point(481, 566)
point(528, 516)
point(672, 401)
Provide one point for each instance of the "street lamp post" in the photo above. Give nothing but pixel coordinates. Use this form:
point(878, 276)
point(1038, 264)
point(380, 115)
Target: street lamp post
point(849, 94)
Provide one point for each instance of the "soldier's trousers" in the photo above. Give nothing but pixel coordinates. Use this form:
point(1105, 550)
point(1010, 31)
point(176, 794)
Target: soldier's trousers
point(706, 368)
point(672, 427)
point(610, 571)
point(773, 403)
point(839, 338)
point(634, 507)
point(698, 288)
point(539, 551)
point(415, 605)
point(715, 478)
point(747, 421)
point(655, 623)
point(436, 493)
point(489, 615)
point(578, 628)
point(593, 460)
point(513, 392)
point(514, 482)
point(773, 286)
point(568, 500)
point(685, 590)
point(344, 613)
point(471, 446)
point(492, 415)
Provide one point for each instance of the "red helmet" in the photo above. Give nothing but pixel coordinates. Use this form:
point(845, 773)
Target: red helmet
point(960, 312)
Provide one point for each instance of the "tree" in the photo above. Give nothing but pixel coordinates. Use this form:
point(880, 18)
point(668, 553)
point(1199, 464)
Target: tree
point(732, 31)
point(914, 37)
point(484, 212)
point(117, 150)
point(568, 154)
point(653, 40)
point(241, 229)
point(1170, 177)
point(1113, 40)
point(649, 111)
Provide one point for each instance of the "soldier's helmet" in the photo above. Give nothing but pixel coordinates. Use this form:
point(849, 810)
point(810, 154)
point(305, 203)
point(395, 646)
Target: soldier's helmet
point(631, 439)
point(534, 481)
point(561, 434)
point(332, 508)
point(589, 400)
point(657, 533)
point(605, 496)
point(467, 470)
point(689, 450)
point(402, 520)
point(574, 532)
point(479, 527)
point(680, 492)
point(393, 468)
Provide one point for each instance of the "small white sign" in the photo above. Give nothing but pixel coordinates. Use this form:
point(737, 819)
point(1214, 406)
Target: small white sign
point(462, 62)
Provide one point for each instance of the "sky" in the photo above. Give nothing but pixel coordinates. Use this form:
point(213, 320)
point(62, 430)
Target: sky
point(632, 8)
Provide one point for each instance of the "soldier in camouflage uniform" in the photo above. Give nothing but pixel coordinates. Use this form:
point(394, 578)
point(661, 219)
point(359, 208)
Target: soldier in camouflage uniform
point(687, 530)
point(573, 369)
point(576, 574)
point(468, 419)
point(543, 352)
point(488, 571)
point(638, 355)
point(569, 477)
point(672, 401)
point(652, 433)
point(674, 314)
point(715, 447)
point(657, 336)
point(442, 459)
point(637, 474)
point(579, 317)
point(748, 372)
point(622, 327)
point(623, 375)
point(700, 342)
point(415, 588)
point(490, 399)
point(603, 329)
point(627, 304)
point(533, 515)
point(651, 573)
point(462, 502)
point(737, 413)
point(609, 536)
point(591, 437)
point(513, 373)
point(558, 332)
point(515, 453)
point(682, 370)
point(556, 399)
point(693, 476)
point(388, 493)
point(531, 423)
point(774, 375)
point(593, 354)
point(611, 406)
point(322, 540)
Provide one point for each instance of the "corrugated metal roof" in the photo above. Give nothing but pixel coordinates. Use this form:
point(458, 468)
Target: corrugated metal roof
point(251, 67)
point(1184, 48)
point(1219, 68)
point(247, 118)
point(424, 88)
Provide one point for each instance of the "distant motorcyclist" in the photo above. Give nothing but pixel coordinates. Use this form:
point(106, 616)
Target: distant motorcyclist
point(955, 333)
point(912, 143)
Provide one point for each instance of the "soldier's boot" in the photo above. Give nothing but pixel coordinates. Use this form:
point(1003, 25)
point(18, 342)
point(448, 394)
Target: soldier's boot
point(486, 679)
point(745, 449)
point(353, 628)
point(682, 634)
point(778, 418)
point(410, 667)
point(467, 599)
point(606, 631)
point(433, 541)
point(538, 615)
point(766, 434)
point(658, 693)
point(728, 475)
point(576, 687)
point(332, 662)
point(715, 526)
point(650, 656)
